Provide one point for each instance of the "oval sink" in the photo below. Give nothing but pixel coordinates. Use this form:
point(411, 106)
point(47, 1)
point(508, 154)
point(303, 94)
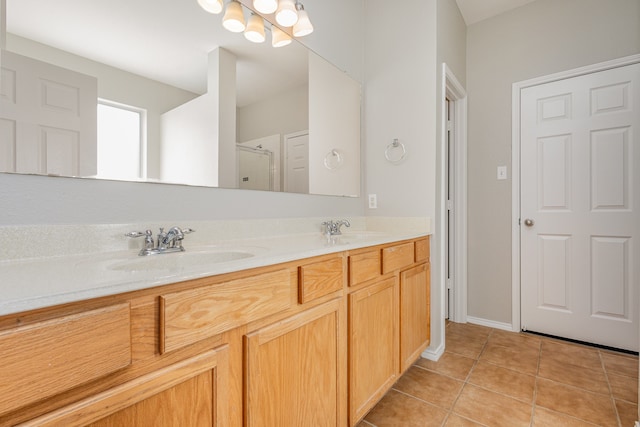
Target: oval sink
point(179, 261)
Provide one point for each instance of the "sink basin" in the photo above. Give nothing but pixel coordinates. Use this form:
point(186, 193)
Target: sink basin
point(180, 261)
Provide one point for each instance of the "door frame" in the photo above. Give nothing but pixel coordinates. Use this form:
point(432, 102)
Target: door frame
point(455, 92)
point(515, 165)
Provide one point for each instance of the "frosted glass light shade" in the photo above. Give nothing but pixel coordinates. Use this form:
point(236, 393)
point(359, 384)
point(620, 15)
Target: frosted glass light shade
point(211, 6)
point(279, 38)
point(233, 19)
point(287, 15)
point(265, 6)
point(255, 29)
point(303, 27)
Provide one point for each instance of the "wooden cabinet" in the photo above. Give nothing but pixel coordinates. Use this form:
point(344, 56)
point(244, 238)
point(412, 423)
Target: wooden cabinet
point(188, 393)
point(389, 324)
point(313, 342)
point(294, 371)
point(373, 345)
point(415, 322)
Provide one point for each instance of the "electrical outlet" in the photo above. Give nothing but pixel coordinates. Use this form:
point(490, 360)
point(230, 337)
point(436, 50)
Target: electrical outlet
point(502, 172)
point(373, 201)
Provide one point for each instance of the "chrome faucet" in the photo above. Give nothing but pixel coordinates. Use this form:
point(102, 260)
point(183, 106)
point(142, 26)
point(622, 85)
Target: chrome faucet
point(332, 228)
point(168, 242)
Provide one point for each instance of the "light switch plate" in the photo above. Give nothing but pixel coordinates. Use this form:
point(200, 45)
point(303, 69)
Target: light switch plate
point(502, 172)
point(373, 201)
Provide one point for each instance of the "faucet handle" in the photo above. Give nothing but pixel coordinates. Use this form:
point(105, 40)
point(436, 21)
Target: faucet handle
point(148, 237)
point(188, 230)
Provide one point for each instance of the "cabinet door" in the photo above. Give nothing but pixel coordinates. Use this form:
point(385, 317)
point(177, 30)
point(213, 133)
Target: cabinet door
point(187, 393)
point(373, 345)
point(414, 314)
point(294, 371)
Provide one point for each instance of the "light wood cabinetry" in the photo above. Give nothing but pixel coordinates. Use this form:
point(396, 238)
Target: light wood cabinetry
point(373, 345)
point(415, 324)
point(189, 393)
point(389, 324)
point(294, 371)
point(312, 342)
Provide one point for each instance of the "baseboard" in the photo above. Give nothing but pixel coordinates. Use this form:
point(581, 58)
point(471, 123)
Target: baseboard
point(433, 354)
point(490, 323)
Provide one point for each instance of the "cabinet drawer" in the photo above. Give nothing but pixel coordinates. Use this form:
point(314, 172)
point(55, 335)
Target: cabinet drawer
point(422, 250)
point(192, 315)
point(397, 257)
point(319, 279)
point(364, 266)
point(49, 357)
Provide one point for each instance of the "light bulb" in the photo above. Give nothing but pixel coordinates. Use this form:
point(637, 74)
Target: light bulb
point(233, 19)
point(211, 6)
point(287, 15)
point(303, 27)
point(255, 29)
point(265, 6)
point(279, 38)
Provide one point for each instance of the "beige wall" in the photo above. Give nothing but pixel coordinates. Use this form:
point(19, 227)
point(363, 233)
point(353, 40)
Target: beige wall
point(541, 38)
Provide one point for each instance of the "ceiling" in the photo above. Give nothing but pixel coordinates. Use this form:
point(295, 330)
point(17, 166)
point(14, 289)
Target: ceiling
point(478, 10)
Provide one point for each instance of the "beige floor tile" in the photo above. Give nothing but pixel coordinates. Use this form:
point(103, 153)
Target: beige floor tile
point(567, 373)
point(628, 413)
point(504, 381)
point(546, 418)
point(469, 329)
point(514, 339)
point(574, 354)
point(575, 402)
point(522, 359)
point(451, 364)
point(464, 345)
point(457, 421)
point(397, 409)
point(492, 409)
point(620, 364)
point(624, 388)
point(429, 386)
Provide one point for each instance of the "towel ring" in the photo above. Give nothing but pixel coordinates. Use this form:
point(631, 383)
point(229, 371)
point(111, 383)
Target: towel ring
point(395, 151)
point(333, 160)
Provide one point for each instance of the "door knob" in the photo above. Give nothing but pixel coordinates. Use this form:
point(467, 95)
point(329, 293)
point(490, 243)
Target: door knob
point(529, 222)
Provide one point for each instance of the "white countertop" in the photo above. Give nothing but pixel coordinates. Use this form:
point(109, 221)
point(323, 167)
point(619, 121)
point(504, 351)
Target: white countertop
point(27, 284)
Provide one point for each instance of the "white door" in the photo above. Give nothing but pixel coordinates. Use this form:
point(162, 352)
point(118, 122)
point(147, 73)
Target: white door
point(580, 207)
point(296, 177)
point(48, 117)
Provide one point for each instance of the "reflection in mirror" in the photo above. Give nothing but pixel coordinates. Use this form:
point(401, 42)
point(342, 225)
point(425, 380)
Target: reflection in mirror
point(141, 91)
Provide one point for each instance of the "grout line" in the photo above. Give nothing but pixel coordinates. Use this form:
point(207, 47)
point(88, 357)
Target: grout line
point(606, 377)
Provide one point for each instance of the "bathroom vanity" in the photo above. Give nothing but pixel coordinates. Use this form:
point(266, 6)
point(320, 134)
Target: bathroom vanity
point(314, 341)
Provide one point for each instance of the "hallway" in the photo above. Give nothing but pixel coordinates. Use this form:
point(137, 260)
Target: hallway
point(489, 377)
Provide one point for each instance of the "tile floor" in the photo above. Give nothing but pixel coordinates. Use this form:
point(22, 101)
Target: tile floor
point(489, 377)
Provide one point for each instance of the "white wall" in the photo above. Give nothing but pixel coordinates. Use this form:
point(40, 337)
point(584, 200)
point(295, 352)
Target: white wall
point(286, 113)
point(333, 127)
point(400, 102)
point(43, 200)
point(543, 37)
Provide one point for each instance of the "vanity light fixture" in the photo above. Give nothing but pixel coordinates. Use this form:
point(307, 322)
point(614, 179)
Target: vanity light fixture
point(279, 38)
point(303, 27)
point(255, 29)
point(211, 6)
point(233, 19)
point(265, 6)
point(286, 15)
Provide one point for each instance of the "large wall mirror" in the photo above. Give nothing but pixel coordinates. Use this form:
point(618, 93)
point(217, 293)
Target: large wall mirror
point(159, 91)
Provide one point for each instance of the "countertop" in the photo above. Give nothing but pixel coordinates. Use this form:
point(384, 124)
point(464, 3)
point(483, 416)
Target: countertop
point(28, 284)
